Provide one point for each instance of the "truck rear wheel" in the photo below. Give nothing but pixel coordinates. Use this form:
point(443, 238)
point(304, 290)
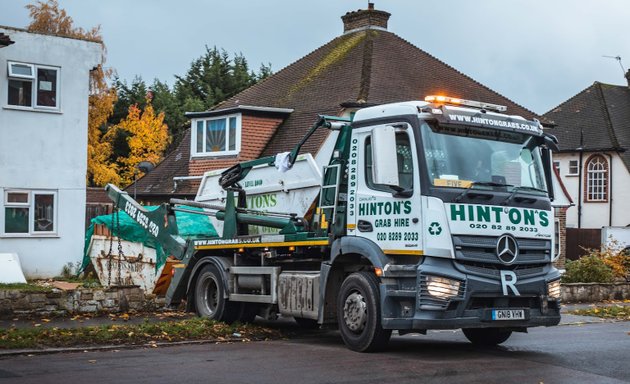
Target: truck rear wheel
point(487, 337)
point(359, 313)
point(210, 296)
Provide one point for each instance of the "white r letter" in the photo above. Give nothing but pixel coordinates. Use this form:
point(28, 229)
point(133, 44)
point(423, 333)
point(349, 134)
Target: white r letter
point(505, 282)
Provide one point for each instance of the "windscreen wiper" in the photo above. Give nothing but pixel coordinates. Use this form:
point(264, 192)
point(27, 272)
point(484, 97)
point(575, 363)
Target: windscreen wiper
point(521, 189)
point(480, 184)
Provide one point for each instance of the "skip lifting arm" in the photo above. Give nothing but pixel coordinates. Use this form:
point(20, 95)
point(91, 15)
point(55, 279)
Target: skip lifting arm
point(235, 221)
point(238, 172)
point(159, 223)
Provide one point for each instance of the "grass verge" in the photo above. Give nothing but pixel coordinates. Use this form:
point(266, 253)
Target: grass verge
point(25, 287)
point(617, 312)
point(151, 333)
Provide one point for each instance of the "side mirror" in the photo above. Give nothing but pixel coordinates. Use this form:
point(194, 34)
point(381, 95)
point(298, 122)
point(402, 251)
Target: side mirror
point(384, 156)
point(548, 168)
point(551, 142)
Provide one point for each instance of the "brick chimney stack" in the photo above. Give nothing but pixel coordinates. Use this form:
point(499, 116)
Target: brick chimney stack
point(628, 77)
point(365, 19)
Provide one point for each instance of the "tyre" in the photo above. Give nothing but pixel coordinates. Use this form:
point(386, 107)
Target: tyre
point(359, 313)
point(487, 336)
point(211, 296)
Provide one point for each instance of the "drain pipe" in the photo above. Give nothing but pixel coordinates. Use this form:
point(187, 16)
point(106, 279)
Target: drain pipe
point(580, 189)
point(610, 189)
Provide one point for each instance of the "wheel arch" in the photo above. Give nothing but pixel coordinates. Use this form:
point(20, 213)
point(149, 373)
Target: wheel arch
point(223, 264)
point(348, 254)
point(349, 246)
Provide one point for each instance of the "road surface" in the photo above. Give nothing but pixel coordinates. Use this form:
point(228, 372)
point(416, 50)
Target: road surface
point(589, 353)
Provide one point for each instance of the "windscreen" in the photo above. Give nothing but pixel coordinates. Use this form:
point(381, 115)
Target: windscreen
point(463, 156)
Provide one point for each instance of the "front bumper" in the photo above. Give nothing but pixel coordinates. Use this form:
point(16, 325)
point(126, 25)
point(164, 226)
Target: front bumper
point(406, 305)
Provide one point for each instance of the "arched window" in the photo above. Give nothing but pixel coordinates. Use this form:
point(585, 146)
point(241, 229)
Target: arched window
point(597, 179)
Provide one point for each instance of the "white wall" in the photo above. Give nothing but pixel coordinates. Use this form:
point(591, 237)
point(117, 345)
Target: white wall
point(48, 150)
point(595, 214)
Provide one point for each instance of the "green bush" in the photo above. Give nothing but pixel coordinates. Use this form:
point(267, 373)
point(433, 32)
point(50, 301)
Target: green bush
point(588, 269)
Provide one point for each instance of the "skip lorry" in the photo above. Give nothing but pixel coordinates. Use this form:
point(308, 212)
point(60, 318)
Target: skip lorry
point(430, 214)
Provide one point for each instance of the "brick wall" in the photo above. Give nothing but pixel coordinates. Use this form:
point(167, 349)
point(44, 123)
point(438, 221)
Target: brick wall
point(363, 18)
point(594, 292)
point(83, 300)
point(561, 216)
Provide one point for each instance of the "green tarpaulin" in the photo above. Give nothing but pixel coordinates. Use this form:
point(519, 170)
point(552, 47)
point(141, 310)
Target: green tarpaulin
point(190, 225)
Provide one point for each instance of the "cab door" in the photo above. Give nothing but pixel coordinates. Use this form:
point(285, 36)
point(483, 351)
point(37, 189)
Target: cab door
point(385, 212)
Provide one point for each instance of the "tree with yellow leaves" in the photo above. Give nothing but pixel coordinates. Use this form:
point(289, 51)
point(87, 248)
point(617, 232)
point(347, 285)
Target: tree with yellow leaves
point(47, 17)
point(147, 138)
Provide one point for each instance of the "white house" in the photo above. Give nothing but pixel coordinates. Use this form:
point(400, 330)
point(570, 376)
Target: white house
point(593, 128)
point(44, 89)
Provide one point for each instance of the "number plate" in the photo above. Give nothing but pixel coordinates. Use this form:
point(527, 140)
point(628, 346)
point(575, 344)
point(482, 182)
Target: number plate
point(508, 314)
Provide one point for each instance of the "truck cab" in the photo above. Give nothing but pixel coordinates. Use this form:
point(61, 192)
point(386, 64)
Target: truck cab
point(456, 196)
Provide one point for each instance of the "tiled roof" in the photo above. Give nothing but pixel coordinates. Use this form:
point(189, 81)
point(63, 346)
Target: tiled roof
point(366, 67)
point(159, 182)
point(371, 67)
point(596, 119)
point(96, 195)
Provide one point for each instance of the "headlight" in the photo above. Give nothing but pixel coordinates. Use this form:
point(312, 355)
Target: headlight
point(442, 287)
point(553, 289)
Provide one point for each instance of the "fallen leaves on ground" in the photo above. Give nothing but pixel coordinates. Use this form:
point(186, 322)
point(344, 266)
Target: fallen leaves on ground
point(617, 312)
point(150, 333)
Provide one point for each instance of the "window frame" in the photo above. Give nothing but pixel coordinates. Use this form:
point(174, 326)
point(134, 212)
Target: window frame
point(30, 205)
point(194, 152)
point(17, 75)
point(557, 166)
point(596, 180)
point(33, 79)
point(576, 165)
point(368, 163)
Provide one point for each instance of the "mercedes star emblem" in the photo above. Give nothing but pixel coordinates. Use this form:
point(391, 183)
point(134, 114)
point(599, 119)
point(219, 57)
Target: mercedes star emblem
point(507, 249)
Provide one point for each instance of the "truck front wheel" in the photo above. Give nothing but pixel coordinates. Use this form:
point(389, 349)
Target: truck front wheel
point(487, 337)
point(359, 313)
point(210, 296)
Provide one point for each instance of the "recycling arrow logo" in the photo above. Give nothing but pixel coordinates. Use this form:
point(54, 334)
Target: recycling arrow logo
point(435, 228)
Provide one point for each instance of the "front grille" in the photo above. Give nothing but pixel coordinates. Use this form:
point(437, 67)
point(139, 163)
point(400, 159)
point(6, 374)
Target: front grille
point(477, 255)
point(483, 249)
point(494, 270)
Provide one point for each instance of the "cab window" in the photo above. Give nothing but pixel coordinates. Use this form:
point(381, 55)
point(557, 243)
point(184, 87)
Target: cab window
point(404, 160)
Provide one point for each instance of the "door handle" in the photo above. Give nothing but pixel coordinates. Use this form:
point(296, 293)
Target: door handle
point(364, 226)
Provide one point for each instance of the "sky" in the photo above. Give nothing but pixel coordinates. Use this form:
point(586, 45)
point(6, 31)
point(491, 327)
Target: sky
point(538, 53)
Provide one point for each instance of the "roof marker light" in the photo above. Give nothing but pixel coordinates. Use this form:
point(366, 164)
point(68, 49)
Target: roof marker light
point(468, 103)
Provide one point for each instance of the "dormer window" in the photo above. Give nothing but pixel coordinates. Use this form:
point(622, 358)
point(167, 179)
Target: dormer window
point(217, 136)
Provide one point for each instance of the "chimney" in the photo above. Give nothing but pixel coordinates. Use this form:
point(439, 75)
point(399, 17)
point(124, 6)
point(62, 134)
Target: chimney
point(628, 77)
point(365, 19)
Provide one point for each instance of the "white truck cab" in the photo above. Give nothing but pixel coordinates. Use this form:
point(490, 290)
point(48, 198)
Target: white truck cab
point(461, 191)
